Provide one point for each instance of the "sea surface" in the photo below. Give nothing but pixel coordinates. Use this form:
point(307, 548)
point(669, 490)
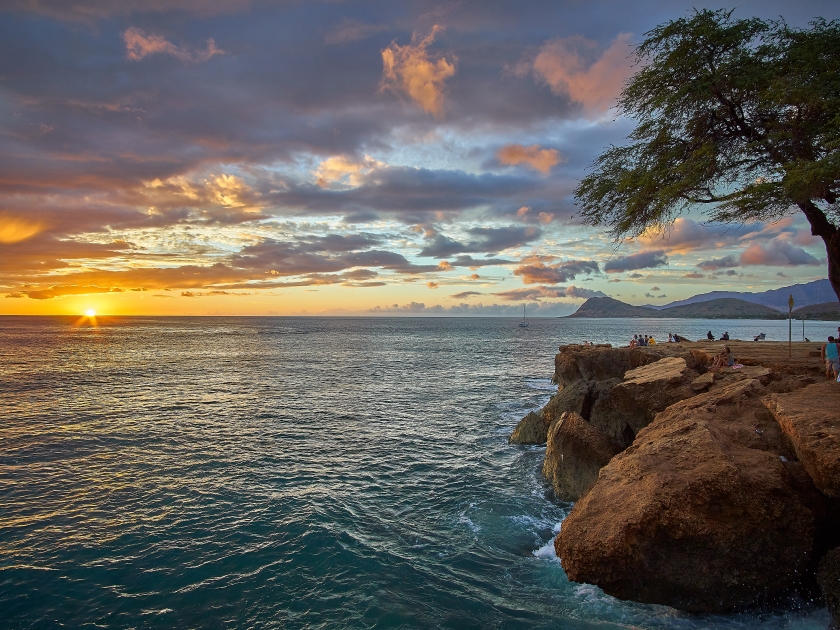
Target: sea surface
point(298, 473)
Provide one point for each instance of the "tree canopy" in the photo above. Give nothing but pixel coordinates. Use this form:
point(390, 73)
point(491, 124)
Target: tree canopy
point(740, 117)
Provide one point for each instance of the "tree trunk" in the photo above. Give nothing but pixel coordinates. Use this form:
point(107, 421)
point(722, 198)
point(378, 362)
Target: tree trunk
point(832, 248)
point(825, 229)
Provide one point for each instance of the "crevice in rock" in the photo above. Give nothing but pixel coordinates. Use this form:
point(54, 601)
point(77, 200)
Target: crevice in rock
point(627, 436)
point(588, 402)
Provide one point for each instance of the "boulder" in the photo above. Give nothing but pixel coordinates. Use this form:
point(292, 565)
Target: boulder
point(703, 382)
point(533, 428)
point(699, 513)
point(596, 363)
point(828, 577)
point(621, 411)
point(575, 453)
point(530, 430)
point(810, 418)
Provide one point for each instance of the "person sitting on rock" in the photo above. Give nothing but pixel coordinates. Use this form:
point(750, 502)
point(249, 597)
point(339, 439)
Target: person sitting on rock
point(651, 341)
point(830, 353)
point(724, 359)
point(710, 336)
point(725, 336)
point(642, 343)
point(759, 337)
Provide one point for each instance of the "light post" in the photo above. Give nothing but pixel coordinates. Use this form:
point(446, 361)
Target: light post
point(790, 325)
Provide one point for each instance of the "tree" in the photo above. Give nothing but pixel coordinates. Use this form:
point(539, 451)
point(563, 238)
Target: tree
point(739, 117)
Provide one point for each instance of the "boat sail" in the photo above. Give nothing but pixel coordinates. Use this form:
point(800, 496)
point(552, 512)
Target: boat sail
point(524, 322)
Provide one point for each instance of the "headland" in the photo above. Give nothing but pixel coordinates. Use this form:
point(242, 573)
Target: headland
point(708, 490)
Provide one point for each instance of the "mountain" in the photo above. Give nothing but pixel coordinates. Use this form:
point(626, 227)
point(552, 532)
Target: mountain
point(816, 292)
point(610, 307)
point(827, 311)
point(725, 308)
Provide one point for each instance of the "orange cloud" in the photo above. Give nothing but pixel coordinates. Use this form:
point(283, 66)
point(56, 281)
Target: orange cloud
point(14, 229)
point(408, 69)
point(139, 45)
point(432, 285)
point(339, 169)
point(562, 65)
point(538, 159)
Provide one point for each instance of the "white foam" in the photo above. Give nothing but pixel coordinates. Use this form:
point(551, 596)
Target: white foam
point(547, 551)
point(465, 521)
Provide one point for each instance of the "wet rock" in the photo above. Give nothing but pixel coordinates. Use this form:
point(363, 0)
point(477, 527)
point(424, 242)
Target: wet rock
point(575, 453)
point(699, 513)
point(810, 418)
point(530, 430)
point(828, 577)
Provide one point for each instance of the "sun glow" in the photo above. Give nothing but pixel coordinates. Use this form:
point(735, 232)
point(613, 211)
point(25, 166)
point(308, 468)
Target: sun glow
point(90, 313)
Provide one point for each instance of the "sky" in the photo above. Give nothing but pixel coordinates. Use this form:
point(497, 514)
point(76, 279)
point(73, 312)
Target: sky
point(239, 157)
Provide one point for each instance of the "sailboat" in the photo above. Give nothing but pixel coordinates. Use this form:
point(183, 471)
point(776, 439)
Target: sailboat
point(524, 322)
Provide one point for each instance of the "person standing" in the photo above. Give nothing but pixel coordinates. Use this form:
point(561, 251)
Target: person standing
point(830, 353)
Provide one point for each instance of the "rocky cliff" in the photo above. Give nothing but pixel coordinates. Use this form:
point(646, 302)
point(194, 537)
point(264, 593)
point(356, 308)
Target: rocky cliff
point(708, 491)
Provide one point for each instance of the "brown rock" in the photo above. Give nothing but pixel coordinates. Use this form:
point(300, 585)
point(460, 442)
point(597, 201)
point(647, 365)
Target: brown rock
point(697, 514)
point(628, 407)
point(810, 418)
point(530, 430)
point(588, 363)
point(828, 577)
point(533, 428)
point(575, 453)
point(703, 382)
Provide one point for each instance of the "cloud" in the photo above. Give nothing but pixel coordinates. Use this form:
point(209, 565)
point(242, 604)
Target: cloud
point(463, 295)
point(543, 292)
point(15, 229)
point(139, 45)
point(526, 215)
point(655, 289)
point(351, 30)
point(340, 169)
point(489, 240)
point(538, 159)
point(432, 285)
point(408, 69)
point(642, 260)
point(540, 273)
point(719, 263)
point(566, 66)
point(777, 251)
point(693, 275)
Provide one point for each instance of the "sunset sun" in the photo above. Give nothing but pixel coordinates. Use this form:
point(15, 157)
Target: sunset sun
point(90, 312)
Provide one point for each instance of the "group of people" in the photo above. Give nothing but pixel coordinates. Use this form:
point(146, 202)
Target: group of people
point(723, 337)
point(638, 341)
point(641, 341)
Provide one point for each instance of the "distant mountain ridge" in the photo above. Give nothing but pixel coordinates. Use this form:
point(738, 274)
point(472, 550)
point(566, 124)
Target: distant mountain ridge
point(816, 292)
point(723, 308)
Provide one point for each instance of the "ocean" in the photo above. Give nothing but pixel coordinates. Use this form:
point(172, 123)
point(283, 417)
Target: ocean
point(284, 472)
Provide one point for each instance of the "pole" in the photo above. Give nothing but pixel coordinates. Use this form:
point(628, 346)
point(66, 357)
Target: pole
point(803, 326)
point(790, 324)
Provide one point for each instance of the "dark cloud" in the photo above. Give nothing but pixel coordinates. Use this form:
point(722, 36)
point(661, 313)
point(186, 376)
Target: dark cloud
point(642, 260)
point(465, 294)
point(489, 240)
point(719, 263)
point(540, 273)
